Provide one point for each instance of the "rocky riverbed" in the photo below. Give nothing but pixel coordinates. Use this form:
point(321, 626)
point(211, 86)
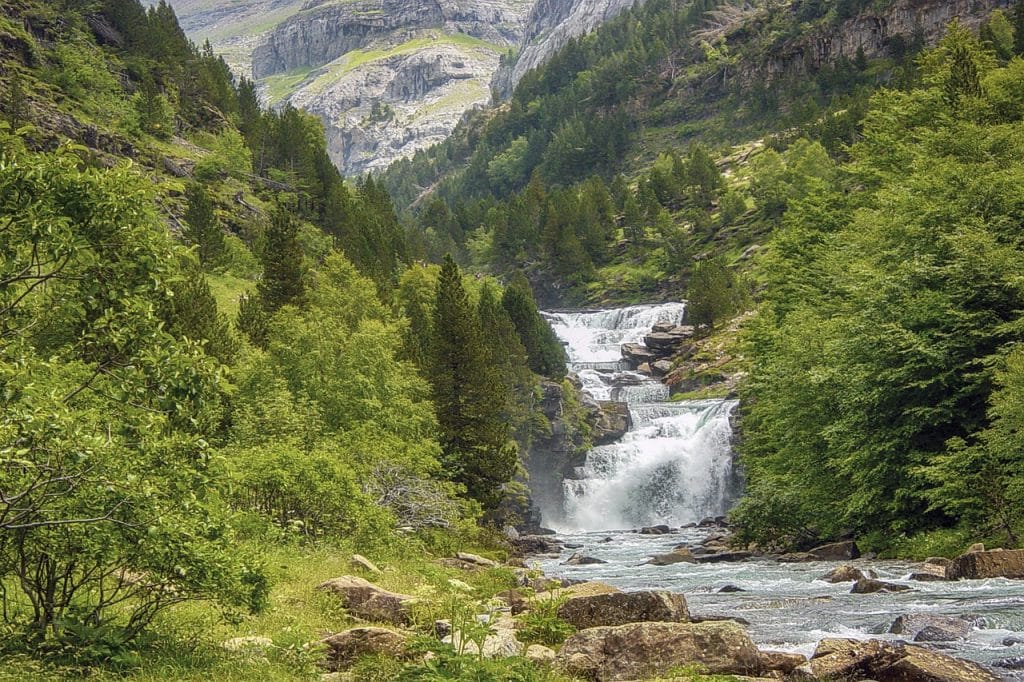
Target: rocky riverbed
point(640, 628)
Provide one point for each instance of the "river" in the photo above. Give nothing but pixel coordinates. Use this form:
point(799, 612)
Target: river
point(675, 467)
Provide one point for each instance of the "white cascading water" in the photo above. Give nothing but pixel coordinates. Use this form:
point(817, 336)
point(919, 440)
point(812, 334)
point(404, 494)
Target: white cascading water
point(675, 464)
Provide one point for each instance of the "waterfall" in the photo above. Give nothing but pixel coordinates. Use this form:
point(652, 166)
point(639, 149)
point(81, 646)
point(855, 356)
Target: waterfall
point(675, 464)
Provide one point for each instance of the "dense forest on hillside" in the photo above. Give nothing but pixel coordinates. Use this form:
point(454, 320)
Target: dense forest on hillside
point(578, 177)
point(213, 349)
point(884, 392)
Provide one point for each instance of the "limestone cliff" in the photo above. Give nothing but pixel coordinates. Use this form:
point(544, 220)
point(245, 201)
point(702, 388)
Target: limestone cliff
point(387, 77)
point(550, 26)
point(878, 31)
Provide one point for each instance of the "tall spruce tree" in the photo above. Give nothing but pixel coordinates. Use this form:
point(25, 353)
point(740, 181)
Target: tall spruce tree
point(282, 262)
point(202, 228)
point(193, 314)
point(544, 351)
point(1018, 28)
point(468, 395)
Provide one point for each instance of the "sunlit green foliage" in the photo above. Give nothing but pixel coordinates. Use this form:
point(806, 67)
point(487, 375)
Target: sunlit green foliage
point(894, 291)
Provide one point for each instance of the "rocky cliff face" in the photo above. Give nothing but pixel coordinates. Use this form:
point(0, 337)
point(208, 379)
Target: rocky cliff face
point(550, 26)
point(876, 31)
point(577, 422)
point(387, 77)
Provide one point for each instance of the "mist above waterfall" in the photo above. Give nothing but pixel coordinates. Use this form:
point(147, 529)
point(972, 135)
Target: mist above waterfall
point(675, 464)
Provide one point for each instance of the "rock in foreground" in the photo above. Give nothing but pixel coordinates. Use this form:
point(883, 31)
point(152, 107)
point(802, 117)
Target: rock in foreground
point(345, 648)
point(622, 608)
point(643, 650)
point(839, 659)
point(365, 600)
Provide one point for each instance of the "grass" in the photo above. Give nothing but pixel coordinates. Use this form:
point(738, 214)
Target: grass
point(227, 289)
point(282, 86)
point(356, 58)
point(188, 639)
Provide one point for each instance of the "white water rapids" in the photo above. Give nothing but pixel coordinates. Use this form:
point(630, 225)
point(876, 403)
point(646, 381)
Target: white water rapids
point(674, 466)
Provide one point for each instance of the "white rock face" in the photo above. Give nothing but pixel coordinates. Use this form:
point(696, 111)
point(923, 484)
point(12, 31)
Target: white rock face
point(389, 108)
point(387, 77)
point(551, 24)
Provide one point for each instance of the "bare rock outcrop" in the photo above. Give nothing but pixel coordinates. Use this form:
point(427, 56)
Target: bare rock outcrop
point(642, 650)
point(623, 607)
point(363, 599)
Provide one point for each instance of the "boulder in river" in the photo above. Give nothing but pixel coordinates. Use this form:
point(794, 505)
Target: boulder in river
point(578, 559)
point(623, 607)
point(680, 555)
point(363, 599)
point(836, 551)
point(936, 627)
point(536, 544)
point(644, 650)
point(845, 574)
point(610, 422)
point(870, 586)
point(661, 529)
point(996, 563)
point(836, 659)
point(722, 557)
point(637, 354)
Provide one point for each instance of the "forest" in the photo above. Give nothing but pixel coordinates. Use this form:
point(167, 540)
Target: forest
point(225, 368)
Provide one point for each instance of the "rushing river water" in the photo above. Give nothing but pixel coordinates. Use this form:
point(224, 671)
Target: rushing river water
point(674, 467)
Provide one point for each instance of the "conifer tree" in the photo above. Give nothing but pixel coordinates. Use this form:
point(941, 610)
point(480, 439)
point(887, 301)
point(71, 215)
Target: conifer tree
point(544, 351)
point(1018, 28)
point(506, 353)
point(702, 175)
point(252, 320)
point(202, 228)
point(478, 449)
point(282, 262)
point(193, 314)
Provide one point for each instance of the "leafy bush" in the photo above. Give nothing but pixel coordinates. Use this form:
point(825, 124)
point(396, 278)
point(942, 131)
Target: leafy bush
point(541, 624)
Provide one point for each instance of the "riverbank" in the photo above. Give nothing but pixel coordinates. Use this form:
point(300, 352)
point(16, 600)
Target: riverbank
point(410, 615)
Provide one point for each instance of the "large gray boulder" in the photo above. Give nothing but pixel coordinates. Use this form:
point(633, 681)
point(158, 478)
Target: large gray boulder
point(931, 627)
point(644, 650)
point(622, 608)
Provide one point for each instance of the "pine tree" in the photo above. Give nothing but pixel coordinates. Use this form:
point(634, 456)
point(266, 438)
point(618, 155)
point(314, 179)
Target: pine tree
point(545, 353)
point(1018, 28)
point(252, 320)
point(194, 315)
point(282, 262)
point(202, 228)
point(478, 449)
point(702, 175)
point(963, 79)
point(16, 107)
point(505, 353)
